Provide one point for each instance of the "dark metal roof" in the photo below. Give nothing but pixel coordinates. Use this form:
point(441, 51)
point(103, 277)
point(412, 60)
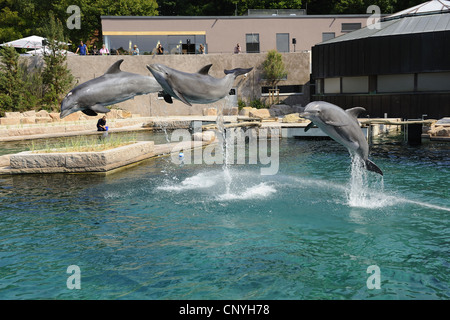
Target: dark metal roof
point(417, 23)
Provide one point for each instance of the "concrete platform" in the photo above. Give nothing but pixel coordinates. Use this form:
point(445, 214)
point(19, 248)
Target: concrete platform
point(88, 127)
point(91, 162)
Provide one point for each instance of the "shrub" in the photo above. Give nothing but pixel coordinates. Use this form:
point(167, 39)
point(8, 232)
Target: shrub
point(241, 104)
point(257, 103)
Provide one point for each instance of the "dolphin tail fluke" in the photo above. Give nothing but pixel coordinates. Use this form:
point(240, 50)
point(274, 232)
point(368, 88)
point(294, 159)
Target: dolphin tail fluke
point(238, 71)
point(372, 167)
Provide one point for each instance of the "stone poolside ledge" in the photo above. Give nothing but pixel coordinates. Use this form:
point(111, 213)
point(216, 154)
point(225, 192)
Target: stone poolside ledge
point(28, 162)
point(87, 127)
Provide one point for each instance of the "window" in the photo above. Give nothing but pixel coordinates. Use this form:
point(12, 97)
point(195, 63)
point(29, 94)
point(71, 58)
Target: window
point(332, 85)
point(395, 83)
point(348, 27)
point(328, 36)
point(439, 81)
point(355, 84)
point(283, 42)
point(252, 42)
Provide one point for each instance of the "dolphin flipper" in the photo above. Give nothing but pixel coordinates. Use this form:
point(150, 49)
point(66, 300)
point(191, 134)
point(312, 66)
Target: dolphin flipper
point(89, 112)
point(336, 124)
point(99, 108)
point(168, 98)
point(369, 165)
point(181, 97)
point(238, 71)
point(309, 126)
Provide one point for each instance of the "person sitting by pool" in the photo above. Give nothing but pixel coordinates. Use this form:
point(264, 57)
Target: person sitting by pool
point(101, 124)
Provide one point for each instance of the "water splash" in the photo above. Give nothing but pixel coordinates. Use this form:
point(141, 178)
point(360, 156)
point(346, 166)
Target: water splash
point(168, 170)
point(259, 191)
point(225, 146)
point(202, 180)
point(365, 189)
point(210, 183)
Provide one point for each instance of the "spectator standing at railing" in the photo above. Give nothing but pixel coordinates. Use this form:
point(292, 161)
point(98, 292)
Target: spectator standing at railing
point(94, 50)
point(104, 50)
point(160, 49)
point(83, 49)
point(135, 51)
point(237, 49)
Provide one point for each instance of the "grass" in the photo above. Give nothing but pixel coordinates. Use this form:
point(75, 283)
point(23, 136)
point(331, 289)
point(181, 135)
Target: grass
point(83, 144)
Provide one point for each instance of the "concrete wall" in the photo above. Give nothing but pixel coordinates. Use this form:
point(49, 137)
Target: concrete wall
point(85, 68)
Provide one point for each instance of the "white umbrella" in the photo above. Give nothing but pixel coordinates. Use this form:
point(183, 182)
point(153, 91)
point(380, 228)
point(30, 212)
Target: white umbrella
point(31, 42)
point(40, 52)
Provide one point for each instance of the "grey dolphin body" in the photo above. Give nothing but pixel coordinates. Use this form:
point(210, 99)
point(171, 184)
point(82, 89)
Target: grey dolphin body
point(342, 126)
point(92, 97)
point(197, 87)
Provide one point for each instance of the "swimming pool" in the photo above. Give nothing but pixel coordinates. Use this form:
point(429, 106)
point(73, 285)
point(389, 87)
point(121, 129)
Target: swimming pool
point(195, 231)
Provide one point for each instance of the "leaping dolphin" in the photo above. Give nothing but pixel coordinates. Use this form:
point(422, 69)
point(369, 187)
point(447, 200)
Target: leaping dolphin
point(342, 126)
point(92, 97)
point(197, 87)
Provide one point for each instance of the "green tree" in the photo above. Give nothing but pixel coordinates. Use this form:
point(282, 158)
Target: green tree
point(221, 7)
point(56, 77)
point(92, 10)
point(21, 18)
point(273, 68)
point(12, 94)
point(357, 6)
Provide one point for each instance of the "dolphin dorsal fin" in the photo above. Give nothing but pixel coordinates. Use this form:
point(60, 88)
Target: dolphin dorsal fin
point(354, 112)
point(115, 68)
point(205, 69)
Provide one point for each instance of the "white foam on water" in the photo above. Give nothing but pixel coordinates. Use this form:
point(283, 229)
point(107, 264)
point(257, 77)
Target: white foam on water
point(366, 190)
point(259, 191)
point(199, 181)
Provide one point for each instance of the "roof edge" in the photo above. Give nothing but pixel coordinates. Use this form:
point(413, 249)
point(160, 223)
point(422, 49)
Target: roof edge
point(416, 14)
point(242, 17)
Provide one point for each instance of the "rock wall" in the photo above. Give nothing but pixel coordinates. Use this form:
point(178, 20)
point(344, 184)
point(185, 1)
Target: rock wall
point(42, 117)
point(85, 68)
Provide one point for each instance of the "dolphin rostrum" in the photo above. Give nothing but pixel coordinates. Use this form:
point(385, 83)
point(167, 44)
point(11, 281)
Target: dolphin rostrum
point(342, 126)
point(197, 87)
point(114, 86)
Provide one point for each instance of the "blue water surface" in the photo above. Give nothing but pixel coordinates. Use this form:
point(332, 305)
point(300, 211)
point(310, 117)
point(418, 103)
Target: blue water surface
point(161, 230)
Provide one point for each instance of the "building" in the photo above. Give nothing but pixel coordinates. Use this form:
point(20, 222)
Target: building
point(286, 31)
point(400, 67)
point(291, 32)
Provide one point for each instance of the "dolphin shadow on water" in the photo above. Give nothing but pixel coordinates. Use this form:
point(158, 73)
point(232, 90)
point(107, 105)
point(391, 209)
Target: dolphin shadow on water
point(197, 87)
point(92, 97)
point(342, 126)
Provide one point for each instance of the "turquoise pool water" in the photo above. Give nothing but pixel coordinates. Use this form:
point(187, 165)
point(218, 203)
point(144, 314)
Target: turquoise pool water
point(165, 231)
